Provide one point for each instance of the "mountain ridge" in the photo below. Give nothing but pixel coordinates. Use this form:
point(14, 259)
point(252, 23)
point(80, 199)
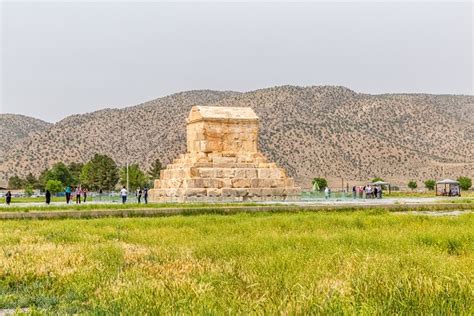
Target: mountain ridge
point(311, 131)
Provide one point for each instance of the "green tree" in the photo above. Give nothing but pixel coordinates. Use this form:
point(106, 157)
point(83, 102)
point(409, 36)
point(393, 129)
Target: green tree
point(29, 190)
point(412, 184)
point(32, 181)
point(155, 169)
point(430, 184)
point(59, 172)
point(319, 183)
point(75, 168)
point(54, 186)
point(465, 183)
point(376, 179)
point(136, 177)
point(42, 179)
point(16, 183)
point(100, 173)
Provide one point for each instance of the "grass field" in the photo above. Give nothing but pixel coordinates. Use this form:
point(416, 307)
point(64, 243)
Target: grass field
point(116, 206)
point(368, 262)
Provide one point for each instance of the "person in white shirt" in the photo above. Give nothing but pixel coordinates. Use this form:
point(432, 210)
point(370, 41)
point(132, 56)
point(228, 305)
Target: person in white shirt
point(123, 194)
point(326, 193)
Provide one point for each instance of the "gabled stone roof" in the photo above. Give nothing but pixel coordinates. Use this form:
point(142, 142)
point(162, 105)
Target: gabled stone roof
point(199, 113)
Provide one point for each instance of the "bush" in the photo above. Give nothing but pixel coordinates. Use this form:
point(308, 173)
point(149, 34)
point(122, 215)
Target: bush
point(430, 184)
point(15, 183)
point(29, 191)
point(319, 184)
point(465, 183)
point(54, 186)
point(412, 184)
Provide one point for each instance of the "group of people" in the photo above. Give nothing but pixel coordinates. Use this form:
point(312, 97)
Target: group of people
point(76, 193)
point(139, 193)
point(367, 192)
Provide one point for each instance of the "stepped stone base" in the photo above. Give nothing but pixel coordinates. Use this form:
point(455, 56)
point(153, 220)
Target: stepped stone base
point(222, 162)
point(223, 178)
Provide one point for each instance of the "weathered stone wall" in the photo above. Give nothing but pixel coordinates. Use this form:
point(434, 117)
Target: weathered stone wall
point(223, 162)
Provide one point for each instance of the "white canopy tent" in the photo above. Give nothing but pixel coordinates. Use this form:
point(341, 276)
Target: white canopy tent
point(381, 183)
point(449, 187)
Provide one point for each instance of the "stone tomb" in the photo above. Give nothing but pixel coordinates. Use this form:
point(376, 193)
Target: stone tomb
point(222, 162)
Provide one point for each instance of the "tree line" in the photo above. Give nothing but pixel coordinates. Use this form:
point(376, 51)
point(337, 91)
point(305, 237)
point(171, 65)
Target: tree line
point(99, 173)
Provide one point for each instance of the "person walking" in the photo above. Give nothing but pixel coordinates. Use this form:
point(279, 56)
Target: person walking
point(123, 194)
point(84, 193)
point(78, 195)
point(8, 198)
point(326, 193)
point(68, 194)
point(139, 195)
point(354, 192)
point(48, 197)
point(145, 195)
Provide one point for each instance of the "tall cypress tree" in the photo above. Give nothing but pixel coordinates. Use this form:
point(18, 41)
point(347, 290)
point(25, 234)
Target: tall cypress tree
point(155, 169)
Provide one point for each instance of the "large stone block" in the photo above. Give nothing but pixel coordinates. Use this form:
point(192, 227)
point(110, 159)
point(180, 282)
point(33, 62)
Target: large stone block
point(241, 183)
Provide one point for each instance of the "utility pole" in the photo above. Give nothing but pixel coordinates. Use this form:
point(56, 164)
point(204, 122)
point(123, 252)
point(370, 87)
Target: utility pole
point(128, 190)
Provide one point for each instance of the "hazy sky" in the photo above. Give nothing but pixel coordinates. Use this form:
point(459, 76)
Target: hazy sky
point(63, 58)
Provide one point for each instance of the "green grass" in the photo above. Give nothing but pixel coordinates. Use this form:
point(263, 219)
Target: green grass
point(41, 199)
point(115, 206)
point(367, 262)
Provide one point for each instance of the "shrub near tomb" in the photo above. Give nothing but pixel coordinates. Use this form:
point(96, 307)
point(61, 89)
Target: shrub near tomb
point(465, 183)
point(430, 184)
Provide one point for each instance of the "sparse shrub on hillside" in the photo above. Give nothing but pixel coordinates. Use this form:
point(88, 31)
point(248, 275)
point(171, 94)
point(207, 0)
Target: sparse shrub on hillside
point(465, 183)
point(430, 184)
point(412, 184)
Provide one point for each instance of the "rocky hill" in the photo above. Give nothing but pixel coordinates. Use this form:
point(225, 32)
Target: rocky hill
point(14, 127)
point(312, 131)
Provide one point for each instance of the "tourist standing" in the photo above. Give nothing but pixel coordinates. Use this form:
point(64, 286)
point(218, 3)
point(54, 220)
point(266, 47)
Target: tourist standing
point(8, 198)
point(354, 192)
point(78, 195)
point(123, 194)
point(326, 193)
point(376, 191)
point(145, 195)
point(84, 193)
point(68, 194)
point(48, 197)
point(139, 195)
